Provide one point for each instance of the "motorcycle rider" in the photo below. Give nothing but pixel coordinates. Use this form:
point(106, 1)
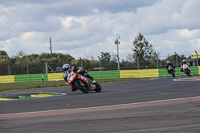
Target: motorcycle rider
point(66, 69)
point(167, 66)
point(184, 63)
point(78, 70)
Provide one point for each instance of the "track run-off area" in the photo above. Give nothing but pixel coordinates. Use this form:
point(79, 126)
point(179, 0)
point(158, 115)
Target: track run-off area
point(142, 106)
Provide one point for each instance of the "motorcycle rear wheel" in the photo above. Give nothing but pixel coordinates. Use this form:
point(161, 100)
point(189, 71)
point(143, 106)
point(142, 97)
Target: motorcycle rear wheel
point(98, 88)
point(187, 72)
point(173, 74)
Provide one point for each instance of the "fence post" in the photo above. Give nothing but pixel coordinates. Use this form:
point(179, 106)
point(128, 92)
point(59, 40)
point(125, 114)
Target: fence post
point(157, 61)
point(176, 59)
point(81, 62)
point(99, 62)
point(138, 65)
point(8, 69)
point(27, 68)
point(197, 62)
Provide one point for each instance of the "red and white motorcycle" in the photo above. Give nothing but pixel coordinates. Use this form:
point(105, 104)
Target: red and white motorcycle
point(78, 81)
point(186, 69)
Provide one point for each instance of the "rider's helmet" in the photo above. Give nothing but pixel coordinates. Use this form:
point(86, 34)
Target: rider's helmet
point(168, 62)
point(183, 61)
point(65, 67)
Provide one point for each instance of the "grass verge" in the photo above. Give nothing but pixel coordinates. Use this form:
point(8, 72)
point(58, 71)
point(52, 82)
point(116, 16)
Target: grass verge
point(15, 86)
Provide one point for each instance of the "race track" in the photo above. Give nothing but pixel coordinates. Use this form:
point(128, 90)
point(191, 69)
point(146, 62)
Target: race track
point(144, 106)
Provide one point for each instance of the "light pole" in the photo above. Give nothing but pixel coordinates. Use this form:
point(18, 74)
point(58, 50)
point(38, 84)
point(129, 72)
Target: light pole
point(46, 65)
point(117, 43)
point(99, 62)
point(50, 49)
point(197, 59)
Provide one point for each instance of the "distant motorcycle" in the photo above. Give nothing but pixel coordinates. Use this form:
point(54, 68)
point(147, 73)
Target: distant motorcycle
point(186, 69)
point(171, 70)
point(82, 83)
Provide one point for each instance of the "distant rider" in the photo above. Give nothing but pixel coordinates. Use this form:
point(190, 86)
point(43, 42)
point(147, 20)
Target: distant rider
point(167, 66)
point(183, 63)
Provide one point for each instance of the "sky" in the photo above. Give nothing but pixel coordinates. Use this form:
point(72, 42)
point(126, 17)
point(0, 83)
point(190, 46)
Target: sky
point(85, 28)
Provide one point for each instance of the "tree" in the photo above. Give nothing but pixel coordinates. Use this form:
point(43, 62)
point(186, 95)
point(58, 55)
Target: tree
point(2, 52)
point(3, 56)
point(113, 57)
point(105, 57)
point(143, 50)
point(153, 59)
point(20, 54)
point(129, 58)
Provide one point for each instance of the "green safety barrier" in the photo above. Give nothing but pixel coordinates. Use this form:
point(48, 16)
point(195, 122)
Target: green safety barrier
point(30, 78)
point(105, 74)
point(194, 71)
point(164, 73)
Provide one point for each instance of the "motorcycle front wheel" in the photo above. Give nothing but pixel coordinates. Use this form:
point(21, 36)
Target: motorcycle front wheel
point(82, 86)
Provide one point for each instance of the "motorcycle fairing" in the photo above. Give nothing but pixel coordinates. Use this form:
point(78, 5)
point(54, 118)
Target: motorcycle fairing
point(71, 77)
point(83, 78)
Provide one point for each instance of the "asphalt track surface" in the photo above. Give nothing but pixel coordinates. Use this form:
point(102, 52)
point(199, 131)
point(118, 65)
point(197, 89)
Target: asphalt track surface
point(144, 106)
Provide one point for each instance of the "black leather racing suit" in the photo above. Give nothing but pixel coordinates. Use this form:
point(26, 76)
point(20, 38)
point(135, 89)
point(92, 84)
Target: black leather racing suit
point(168, 66)
point(83, 72)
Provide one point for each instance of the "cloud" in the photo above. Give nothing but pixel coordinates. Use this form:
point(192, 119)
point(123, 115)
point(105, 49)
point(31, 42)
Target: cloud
point(187, 34)
point(188, 15)
point(181, 41)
